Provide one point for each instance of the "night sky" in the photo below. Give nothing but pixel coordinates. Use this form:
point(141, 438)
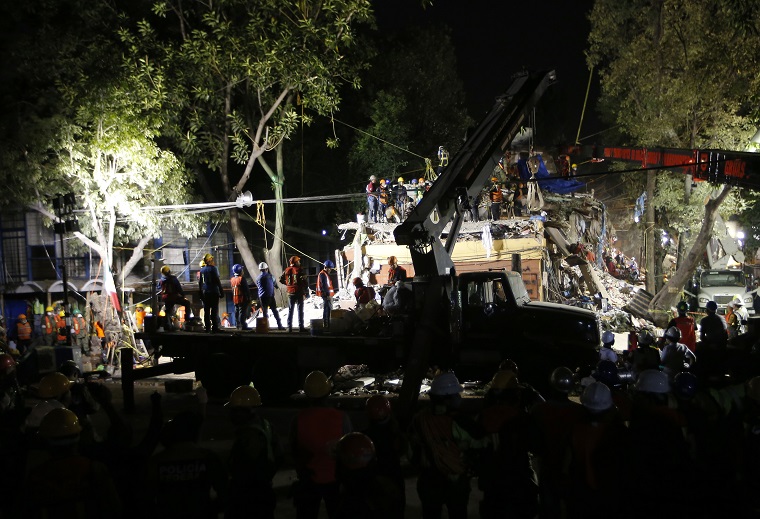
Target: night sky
point(496, 38)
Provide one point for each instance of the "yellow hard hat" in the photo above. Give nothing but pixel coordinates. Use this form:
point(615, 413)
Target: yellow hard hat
point(494, 179)
point(165, 269)
point(400, 180)
point(49, 309)
point(574, 166)
point(53, 385)
point(202, 264)
point(208, 258)
point(59, 423)
point(317, 385)
point(139, 305)
point(244, 396)
point(62, 313)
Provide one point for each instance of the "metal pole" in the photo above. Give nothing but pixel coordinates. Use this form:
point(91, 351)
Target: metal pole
point(67, 314)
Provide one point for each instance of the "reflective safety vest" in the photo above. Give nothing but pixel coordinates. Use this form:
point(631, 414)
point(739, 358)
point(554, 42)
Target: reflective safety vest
point(48, 324)
point(322, 291)
point(77, 326)
point(496, 195)
point(237, 292)
point(24, 331)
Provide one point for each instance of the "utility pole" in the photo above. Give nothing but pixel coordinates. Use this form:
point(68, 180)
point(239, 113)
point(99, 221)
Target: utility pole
point(66, 222)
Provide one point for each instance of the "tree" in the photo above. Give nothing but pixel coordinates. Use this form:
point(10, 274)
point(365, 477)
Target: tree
point(681, 74)
point(229, 72)
point(79, 124)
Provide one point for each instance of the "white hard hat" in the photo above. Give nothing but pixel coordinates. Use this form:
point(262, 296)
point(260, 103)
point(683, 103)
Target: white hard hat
point(263, 266)
point(737, 301)
point(372, 177)
point(597, 397)
point(652, 381)
point(445, 384)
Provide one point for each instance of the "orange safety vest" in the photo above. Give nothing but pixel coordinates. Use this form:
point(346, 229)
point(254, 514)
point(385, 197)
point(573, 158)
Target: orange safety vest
point(322, 292)
point(139, 318)
point(77, 326)
point(60, 323)
point(237, 293)
point(49, 323)
point(496, 195)
point(99, 330)
point(688, 334)
point(24, 331)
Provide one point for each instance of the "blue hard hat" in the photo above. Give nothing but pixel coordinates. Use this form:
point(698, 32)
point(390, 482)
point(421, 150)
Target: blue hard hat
point(237, 269)
point(329, 264)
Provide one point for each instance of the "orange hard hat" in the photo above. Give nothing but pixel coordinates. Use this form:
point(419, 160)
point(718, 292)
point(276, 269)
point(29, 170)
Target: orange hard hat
point(294, 259)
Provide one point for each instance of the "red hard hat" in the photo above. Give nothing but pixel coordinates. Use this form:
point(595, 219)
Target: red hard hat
point(355, 451)
point(358, 282)
point(378, 408)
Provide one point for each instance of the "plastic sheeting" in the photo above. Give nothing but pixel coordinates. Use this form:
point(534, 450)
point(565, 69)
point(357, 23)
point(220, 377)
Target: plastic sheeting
point(548, 183)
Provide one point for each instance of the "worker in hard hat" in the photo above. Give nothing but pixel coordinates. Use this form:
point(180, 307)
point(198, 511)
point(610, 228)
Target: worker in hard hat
point(210, 288)
point(254, 457)
point(23, 334)
point(62, 331)
point(294, 279)
point(140, 317)
point(383, 200)
point(314, 432)
point(686, 325)
point(441, 447)
point(241, 296)
point(496, 197)
point(266, 285)
point(606, 352)
point(171, 293)
point(675, 356)
point(326, 292)
point(372, 191)
point(395, 271)
point(48, 326)
point(400, 195)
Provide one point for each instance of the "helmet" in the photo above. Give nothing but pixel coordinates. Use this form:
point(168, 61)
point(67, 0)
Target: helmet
point(7, 364)
point(355, 451)
point(201, 263)
point(378, 408)
point(607, 372)
point(414, 181)
point(562, 379)
point(645, 338)
point(358, 282)
point(685, 385)
point(49, 309)
point(244, 396)
point(165, 269)
point(138, 305)
point(400, 180)
point(422, 180)
point(70, 370)
point(652, 381)
point(329, 264)
point(392, 260)
point(59, 423)
point(597, 397)
point(509, 365)
point(712, 306)
point(445, 384)
point(494, 179)
point(682, 307)
point(317, 385)
point(382, 181)
point(608, 337)
point(53, 385)
point(237, 269)
point(574, 166)
point(263, 266)
point(294, 259)
point(504, 379)
point(372, 178)
point(673, 333)
point(208, 258)
point(737, 301)
point(62, 313)
point(21, 316)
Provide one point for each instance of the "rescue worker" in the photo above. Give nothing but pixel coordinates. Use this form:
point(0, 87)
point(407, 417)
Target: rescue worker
point(646, 355)
point(266, 285)
point(383, 200)
point(388, 439)
point(400, 195)
point(441, 442)
point(171, 293)
point(23, 334)
point(607, 353)
point(364, 491)
point(555, 419)
point(179, 479)
point(595, 483)
point(82, 334)
point(675, 356)
point(372, 199)
point(241, 296)
point(253, 459)
point(314, 432)
point(395, 271)
point(506, 477)
point(363, 294)
point(39, 310)
point(686, 325)
point(226, 320)
point(713, 340)
point(295, 282)
point(496, 197)
point(139, 317)
point(742, 316)
point(68, 484)
point(210, 287)
point(326, 292)
point(62, 331)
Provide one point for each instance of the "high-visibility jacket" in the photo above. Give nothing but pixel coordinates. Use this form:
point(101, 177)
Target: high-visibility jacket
point(24, 330)
point(240, 290)
point(139, 318)
point(60, 323)
point(76, 325)
point(322, 290)
point(48, 324)
point(496, 195)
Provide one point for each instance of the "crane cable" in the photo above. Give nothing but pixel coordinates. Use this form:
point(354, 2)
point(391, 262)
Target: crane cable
point(585, 101)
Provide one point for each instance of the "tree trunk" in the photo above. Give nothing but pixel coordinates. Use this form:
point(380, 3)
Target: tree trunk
point(661, 304)
point(649, 242)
